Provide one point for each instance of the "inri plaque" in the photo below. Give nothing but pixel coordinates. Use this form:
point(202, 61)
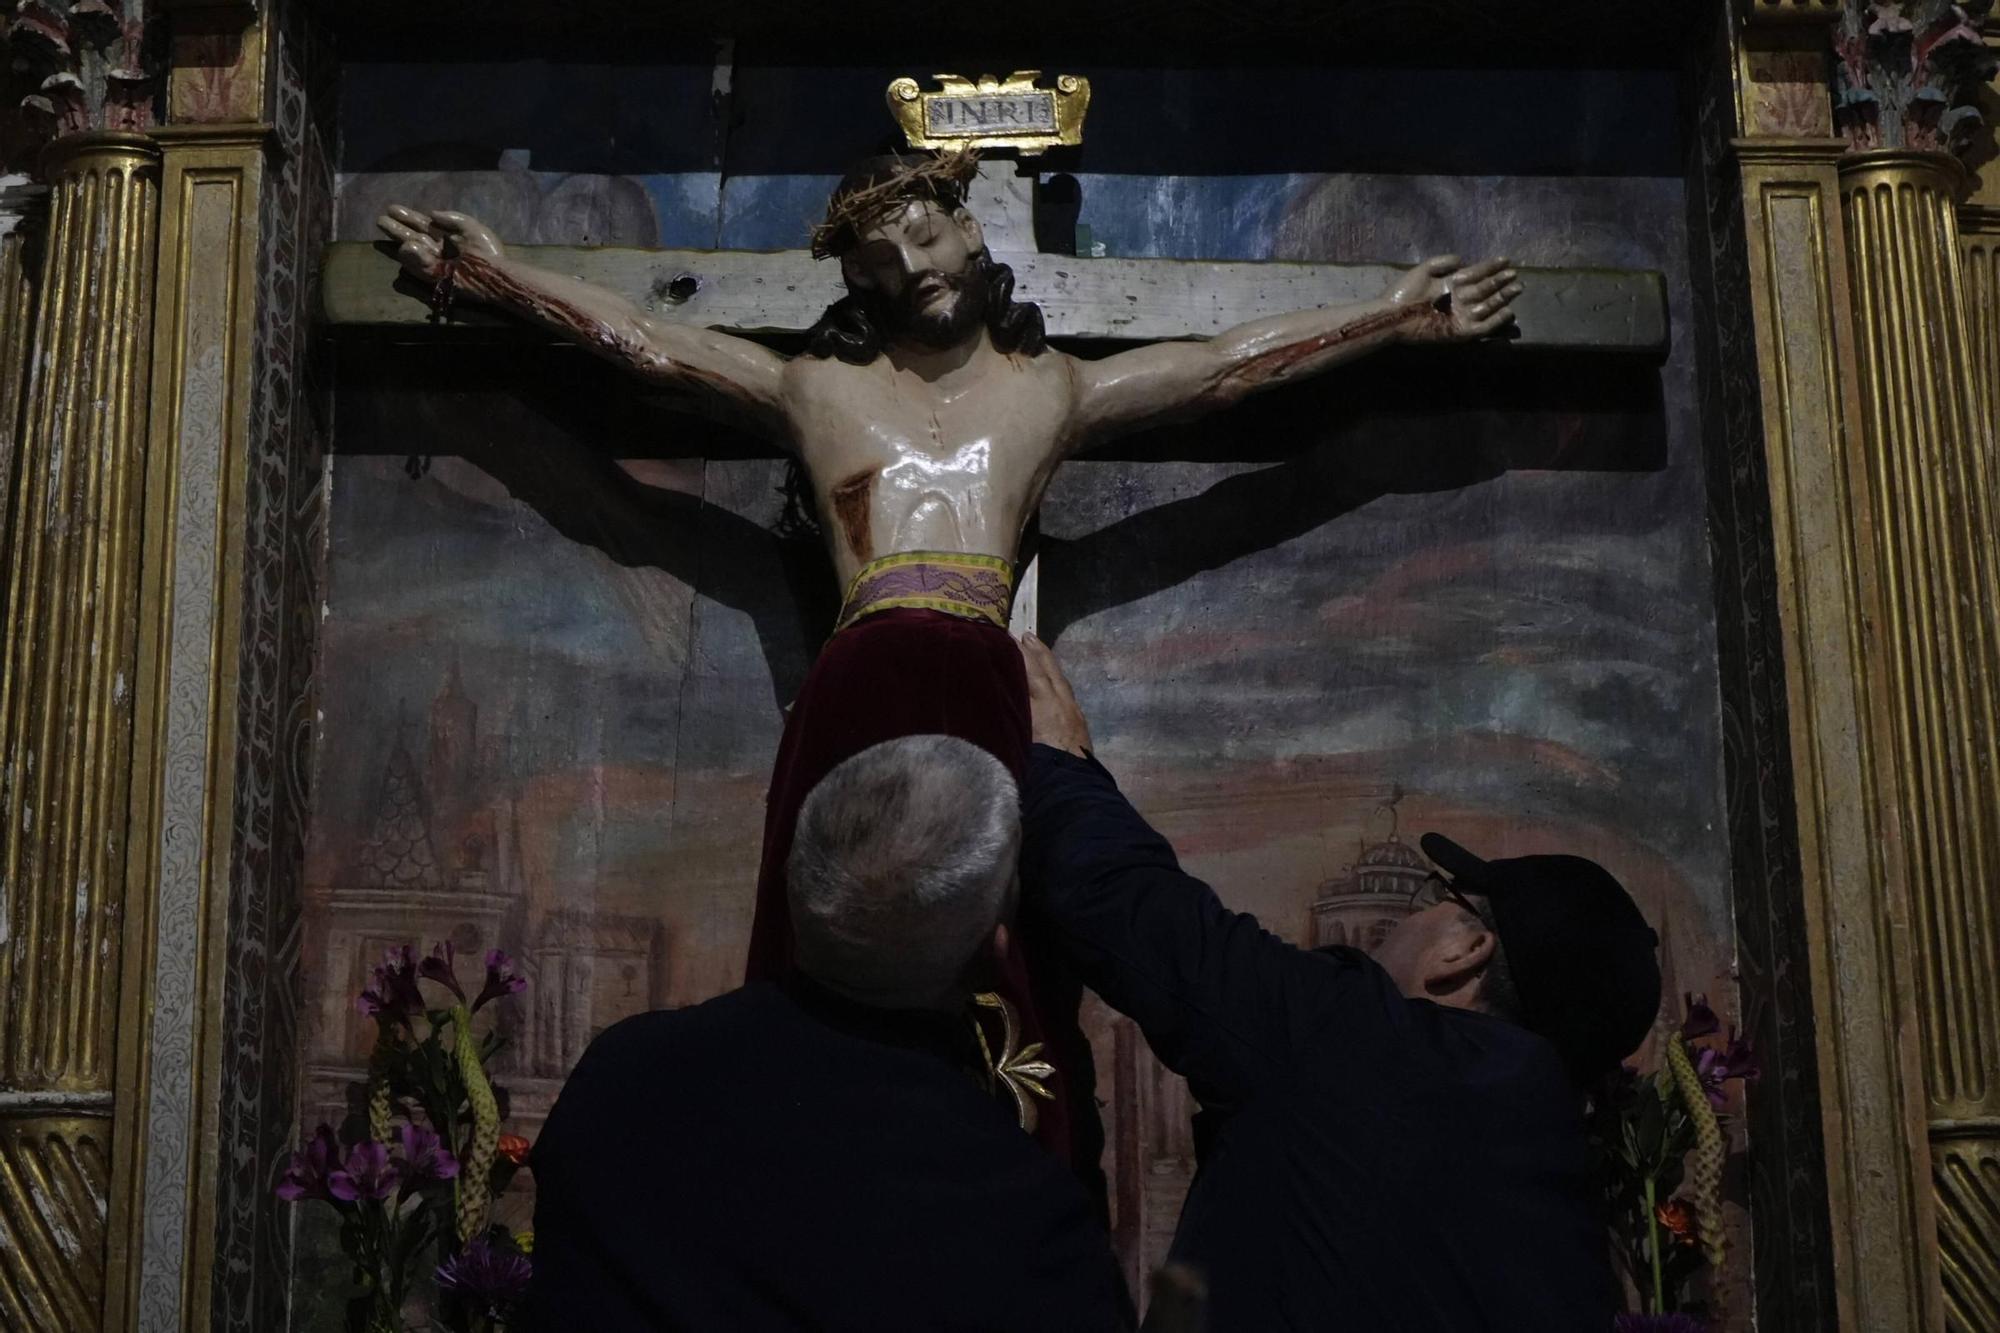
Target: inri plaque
point(992, 113)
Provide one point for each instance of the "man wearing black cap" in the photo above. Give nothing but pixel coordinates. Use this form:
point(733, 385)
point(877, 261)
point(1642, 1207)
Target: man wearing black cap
point(1392, 1142)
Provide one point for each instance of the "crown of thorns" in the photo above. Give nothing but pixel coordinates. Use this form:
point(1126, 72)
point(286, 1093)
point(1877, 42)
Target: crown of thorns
point(939, 178)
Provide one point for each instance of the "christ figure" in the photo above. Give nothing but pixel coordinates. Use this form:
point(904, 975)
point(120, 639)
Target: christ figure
point(928, 414)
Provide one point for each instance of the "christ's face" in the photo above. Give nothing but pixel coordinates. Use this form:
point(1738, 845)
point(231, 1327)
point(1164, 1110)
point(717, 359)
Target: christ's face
point(915, 266)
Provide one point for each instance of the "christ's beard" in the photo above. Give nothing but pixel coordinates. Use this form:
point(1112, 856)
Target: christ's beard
point(947, 324)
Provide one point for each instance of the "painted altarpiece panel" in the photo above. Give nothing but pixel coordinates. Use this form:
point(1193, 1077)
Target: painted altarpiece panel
point(562, 620)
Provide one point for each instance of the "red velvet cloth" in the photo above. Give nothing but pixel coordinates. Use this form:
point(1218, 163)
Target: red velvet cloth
point(908, 672)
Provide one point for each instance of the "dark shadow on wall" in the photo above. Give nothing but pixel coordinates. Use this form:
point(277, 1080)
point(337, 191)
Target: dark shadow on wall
point(803, 109)
point(550, 423)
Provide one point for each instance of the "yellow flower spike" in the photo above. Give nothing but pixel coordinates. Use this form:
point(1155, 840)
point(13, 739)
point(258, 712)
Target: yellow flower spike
point(475, 1172)
point(524, 1241)
point(1705, 1160)
point(379, 1108)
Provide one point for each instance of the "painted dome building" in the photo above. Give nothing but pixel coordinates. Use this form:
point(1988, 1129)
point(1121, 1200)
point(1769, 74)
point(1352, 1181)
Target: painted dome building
point(1359, 908)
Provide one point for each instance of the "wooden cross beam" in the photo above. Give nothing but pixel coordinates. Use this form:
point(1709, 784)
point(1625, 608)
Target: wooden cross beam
point(1108, 300)
point(1611, 311)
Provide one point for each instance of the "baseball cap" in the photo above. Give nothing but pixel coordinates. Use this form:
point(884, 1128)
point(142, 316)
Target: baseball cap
point(1583, 959)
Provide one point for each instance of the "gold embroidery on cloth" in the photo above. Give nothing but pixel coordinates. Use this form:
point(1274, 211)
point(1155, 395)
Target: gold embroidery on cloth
point(1021, 1072)
point(974, 587)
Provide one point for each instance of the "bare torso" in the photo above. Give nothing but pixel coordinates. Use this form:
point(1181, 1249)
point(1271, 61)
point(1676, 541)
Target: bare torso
point(909, 456)
point(945, 448)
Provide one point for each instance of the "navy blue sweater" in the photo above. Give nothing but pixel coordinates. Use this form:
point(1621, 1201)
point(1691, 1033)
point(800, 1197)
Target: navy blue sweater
point(781, 1158)
point(1367, 1162)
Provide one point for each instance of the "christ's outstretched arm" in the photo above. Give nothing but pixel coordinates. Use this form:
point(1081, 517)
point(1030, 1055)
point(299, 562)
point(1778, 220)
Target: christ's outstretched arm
point(1437, 301)
point(467, 260)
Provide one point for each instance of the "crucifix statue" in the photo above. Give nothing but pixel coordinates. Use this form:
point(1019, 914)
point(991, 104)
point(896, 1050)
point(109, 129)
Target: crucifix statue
point(929, 414)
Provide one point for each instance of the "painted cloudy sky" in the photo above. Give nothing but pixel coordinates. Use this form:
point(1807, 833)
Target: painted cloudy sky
point(1481, 582)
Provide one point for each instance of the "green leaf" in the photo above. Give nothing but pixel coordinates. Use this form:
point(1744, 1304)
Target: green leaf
point(1650, 1130)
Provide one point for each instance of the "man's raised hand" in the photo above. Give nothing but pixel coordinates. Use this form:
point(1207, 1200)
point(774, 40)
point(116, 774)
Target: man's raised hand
point(1463, 302)
point(425, 240)
point(1055, 718)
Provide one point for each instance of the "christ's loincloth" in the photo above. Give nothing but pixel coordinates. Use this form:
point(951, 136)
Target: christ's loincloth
point(922, 647)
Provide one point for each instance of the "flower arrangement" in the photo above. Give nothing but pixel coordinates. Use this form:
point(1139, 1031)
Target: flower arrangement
point(417, 1174)
point(1658, 1149)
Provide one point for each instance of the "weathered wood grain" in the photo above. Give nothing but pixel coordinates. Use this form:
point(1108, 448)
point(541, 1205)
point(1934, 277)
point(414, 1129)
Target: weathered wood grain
point(1113, 300)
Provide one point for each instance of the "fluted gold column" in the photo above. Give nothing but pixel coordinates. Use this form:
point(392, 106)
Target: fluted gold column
point(1828, 601)
point(16, 311)
point(70, 593)
point(1930, 483)
point(1839, 1180)
point(190, 688)
point(1979, 235)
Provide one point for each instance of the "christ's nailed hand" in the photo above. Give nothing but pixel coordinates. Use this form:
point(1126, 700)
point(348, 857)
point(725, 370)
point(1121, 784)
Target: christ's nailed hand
point(1460, 301)
point(1052, 708)
point(425, 240)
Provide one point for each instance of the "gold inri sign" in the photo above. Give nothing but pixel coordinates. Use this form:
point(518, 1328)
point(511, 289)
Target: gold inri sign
point(992, 113)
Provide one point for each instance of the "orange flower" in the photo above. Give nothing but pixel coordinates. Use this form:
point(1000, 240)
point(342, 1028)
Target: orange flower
point(514, 1148)
point(1677, 1216)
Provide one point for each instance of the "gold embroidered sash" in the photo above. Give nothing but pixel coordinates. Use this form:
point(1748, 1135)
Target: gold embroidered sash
point(977, 587)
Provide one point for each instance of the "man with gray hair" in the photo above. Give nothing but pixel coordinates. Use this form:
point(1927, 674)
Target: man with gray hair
point(902, 869)
point(831, 1150)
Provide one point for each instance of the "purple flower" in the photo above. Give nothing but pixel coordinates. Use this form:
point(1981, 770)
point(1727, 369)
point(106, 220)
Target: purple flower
point(501, 979)
point(366, 1174)
point(437, 968)
point(424, 1155)
point(1701, 1020)
point(1658, 1323)
point(394, 998)
point(488, 1278)
point(306, 1172)
point(1714, 1067)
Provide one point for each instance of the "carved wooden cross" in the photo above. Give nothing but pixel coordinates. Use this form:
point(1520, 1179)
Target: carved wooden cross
point(1598, 311)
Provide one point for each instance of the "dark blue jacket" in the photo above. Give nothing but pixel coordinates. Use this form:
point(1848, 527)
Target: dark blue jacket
point(1366, 1162)
point(781, 1158)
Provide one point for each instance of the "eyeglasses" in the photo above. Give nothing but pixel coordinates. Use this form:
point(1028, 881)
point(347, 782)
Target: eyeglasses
point(1437, 889)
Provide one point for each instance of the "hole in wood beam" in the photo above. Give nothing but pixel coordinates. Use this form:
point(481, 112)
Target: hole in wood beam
point(679, 288)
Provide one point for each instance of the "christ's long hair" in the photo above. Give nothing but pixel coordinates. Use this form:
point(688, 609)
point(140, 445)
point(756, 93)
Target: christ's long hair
point(855, 327)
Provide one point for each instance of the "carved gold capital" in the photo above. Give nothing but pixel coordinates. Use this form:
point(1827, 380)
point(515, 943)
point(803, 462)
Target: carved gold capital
point(99, 151)
point(1929, 176)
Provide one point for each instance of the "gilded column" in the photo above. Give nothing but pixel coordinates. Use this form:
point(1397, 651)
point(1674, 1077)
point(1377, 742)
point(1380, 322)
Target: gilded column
point(184, 755)
point(1980, 235)
point(70, 602)
point(1839, 1202)
point(1870, 1086)
point(16, 315)
point(1907, 80)
point(1979, 232)
point(1930, 483)
point(207, 1062)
